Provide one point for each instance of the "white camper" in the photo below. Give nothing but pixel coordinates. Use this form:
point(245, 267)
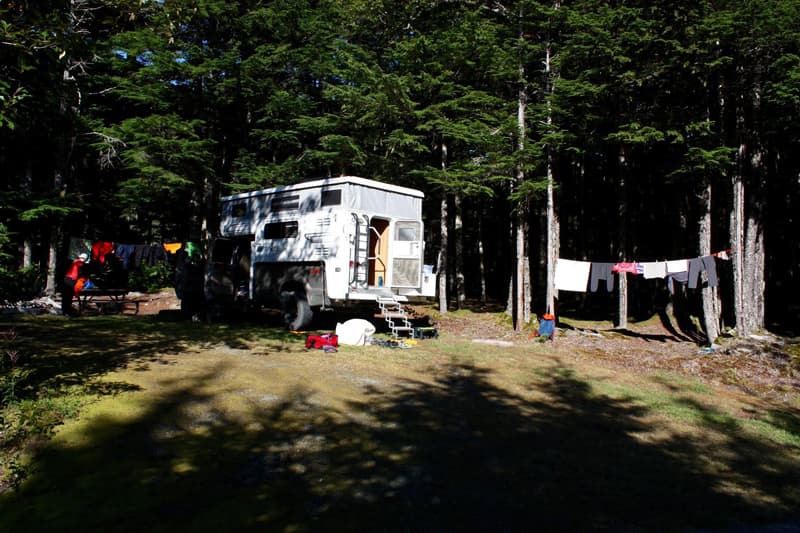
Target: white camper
point(320, 245)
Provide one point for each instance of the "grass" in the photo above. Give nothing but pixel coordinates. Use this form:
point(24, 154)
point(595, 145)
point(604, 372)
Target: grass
point(173, 424)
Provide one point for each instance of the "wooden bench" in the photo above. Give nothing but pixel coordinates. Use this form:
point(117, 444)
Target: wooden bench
point(105, 300)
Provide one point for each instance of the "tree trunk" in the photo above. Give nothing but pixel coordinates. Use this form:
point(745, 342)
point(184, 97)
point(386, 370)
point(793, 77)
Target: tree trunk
point(552, 225)
point(518, 313)
point(754, 274)
point(737, 243)
point(481, 261)
point(526, 283)
point(443, 242)
point(753, 261)
point(622, 209)
point(458, 245)
point(27, 244)
point(711, 305)
point(52, 263)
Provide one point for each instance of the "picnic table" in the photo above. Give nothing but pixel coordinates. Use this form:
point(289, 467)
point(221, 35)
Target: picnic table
point(105, 300)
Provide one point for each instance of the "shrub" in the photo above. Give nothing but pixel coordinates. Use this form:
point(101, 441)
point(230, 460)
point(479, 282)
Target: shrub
point(18, 285)
point(151, 278)
point(28, 412)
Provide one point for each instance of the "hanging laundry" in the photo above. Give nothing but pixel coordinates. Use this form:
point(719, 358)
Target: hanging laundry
point(654, 269)
point(722, 255)
point(100, 249)
point(173, 247)
point(678, 265)
point(125, 254)
point(158, 254)
point(629, 268)
point(702, 264)
point(141, 255)
point(572, 275)
point(679, 277)
point(601, 271)
point(193, 250)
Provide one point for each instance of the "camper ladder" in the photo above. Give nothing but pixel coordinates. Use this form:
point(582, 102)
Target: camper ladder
point(360, 257)
point(395, 315)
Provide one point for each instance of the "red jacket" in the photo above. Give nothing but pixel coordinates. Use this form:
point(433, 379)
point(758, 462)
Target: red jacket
point(74, 271)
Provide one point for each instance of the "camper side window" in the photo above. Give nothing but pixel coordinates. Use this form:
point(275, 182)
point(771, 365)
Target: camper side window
point(285, 203)
point(407, 231)
point(239, 210)
point(280, 230)
point(332, 197)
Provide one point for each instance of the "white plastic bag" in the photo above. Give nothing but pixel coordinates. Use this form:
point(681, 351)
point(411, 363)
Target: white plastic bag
point(355, 332)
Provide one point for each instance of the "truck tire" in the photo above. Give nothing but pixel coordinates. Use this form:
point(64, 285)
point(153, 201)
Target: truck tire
point(297, 313)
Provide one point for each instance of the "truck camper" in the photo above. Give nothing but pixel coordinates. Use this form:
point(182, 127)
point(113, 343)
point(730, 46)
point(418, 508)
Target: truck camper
point(324, 244)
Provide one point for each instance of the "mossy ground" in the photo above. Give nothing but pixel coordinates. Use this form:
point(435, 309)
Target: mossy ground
point(231, 426)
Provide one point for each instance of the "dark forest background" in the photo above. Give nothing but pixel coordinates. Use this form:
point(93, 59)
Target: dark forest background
point(625, 130)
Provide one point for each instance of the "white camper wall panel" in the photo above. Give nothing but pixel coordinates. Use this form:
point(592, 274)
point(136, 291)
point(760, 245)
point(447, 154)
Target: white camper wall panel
point(357, 194)
point(383, 203)
point(237, 217)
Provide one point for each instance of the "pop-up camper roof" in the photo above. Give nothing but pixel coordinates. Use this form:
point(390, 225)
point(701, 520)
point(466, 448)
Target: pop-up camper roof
point(240, 212)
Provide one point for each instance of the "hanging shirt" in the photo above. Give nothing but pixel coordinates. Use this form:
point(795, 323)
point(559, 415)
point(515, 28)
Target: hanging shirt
point(141, 254)
point(100, 249)
point(655, 269)
point(193, 250)
point(678, 265)
point(601, 271)
point(630, 268)
point(157, 255)
point(572, 275)
point(125, 254)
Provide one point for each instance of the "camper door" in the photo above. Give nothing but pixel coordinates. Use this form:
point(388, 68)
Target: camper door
point(406, 251)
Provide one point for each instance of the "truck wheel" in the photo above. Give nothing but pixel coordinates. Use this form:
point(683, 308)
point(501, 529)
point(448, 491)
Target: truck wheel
point(297, 313)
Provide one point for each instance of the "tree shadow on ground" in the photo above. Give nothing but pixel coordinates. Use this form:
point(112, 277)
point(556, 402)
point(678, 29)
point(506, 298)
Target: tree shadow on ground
point(650, 336)
point(457, 453)
point(67, 352)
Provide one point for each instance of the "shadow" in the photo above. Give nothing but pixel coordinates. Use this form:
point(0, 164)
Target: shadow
point(79, 352)
point(455, 452)
point(651, 336)
point(667, 323)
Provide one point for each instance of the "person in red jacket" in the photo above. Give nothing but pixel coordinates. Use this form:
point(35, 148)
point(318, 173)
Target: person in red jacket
point(72, 275)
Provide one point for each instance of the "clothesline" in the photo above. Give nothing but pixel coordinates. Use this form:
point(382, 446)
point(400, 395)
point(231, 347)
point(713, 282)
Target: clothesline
point(130, 255)
point(578, 276)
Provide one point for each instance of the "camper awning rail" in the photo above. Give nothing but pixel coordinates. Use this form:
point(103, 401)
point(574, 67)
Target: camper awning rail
point(329, 182)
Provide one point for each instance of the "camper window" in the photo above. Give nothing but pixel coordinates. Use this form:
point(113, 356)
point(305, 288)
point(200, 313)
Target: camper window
point(285, 203)
point(239, 210)
point(407, 231)
point(332, 197)
point(280, 230)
